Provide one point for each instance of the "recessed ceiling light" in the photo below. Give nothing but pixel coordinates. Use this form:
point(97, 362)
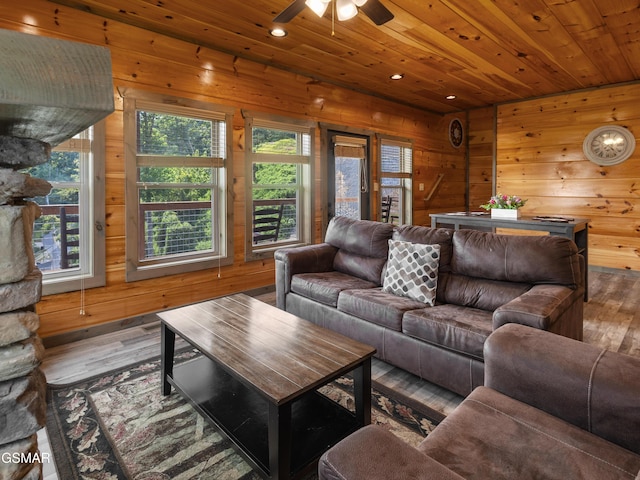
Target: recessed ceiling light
point(397, 76)
point(450, 97)
point(278, 32)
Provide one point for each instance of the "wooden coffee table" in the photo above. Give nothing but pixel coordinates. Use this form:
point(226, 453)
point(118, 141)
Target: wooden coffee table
point(258, 376)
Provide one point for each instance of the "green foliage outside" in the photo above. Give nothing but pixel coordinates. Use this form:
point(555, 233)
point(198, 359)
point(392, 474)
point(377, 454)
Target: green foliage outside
point(61, 167)
point(274, 176)
point(276, 180)
point(170, 135)
point(169, 232)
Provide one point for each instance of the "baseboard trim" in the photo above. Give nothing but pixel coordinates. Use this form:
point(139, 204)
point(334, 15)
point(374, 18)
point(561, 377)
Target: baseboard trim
point(117, 325)
point(616, 271)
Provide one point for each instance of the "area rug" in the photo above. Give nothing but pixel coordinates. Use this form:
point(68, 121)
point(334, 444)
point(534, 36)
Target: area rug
point(119, 426)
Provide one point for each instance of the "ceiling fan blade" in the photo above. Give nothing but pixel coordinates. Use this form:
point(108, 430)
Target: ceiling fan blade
point(290, 12)
point(376, 12)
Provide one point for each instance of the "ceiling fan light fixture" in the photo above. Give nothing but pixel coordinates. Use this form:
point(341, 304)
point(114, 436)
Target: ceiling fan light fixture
point(346, 9)
point(359, 3)
point(319, 7)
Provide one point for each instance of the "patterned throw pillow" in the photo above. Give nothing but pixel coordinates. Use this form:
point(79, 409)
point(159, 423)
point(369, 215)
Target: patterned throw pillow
point(412, 271)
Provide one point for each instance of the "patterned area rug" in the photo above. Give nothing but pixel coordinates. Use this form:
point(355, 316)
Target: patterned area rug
point(119, 426)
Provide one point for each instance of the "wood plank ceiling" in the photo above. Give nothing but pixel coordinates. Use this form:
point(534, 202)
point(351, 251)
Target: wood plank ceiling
point(482, 51)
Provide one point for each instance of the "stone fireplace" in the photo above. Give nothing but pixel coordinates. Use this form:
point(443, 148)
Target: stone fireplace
point(49, 91)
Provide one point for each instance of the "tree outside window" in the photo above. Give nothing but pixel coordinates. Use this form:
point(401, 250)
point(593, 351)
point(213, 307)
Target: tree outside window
point(68, 238)
point(280, 166)
point(178, 200)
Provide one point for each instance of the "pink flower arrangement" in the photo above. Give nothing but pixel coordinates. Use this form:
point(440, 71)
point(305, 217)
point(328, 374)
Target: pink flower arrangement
point(511, 202)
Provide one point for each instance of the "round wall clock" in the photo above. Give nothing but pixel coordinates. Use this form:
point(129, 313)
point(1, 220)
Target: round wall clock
point(456, 133)
point(609, 145)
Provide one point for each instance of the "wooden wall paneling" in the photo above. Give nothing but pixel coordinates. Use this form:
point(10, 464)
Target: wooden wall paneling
point(440, 158)
point(613, 251)
point(481, 141)
point(137, 298)
point(540, 157)
point(585, 187)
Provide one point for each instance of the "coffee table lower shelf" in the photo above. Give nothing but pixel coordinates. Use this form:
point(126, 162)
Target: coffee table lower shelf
point(242, 414)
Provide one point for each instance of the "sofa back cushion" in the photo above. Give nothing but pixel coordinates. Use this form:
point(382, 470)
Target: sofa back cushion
point(428, 236)
point(516, 258)
point(479, 292)
point(362, 247)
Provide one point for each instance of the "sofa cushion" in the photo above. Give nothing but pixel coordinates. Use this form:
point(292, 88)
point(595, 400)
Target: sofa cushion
point(428, 236)
point(412, 271)
point(324, 287)
point(490, 435)
point(360, 237)
point(362, 247)
point(376, 306)
point(373, 452)
point(367, 268)
point(457, 328)
point(516, 258)
point(478, 292)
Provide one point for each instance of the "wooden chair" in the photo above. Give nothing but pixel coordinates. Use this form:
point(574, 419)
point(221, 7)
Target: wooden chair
point(387, 206)
point(69, 239)
point(266, 222)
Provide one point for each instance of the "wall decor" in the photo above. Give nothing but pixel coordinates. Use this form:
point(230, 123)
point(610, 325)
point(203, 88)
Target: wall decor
point(609, 145)
point(456, 132)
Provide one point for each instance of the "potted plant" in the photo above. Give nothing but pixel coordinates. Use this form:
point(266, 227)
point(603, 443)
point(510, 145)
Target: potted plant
point(504, 206)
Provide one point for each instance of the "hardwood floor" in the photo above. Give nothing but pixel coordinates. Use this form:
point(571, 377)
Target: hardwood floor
point(612, 321)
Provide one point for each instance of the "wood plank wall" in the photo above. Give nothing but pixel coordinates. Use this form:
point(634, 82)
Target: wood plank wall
point(144, 60)
point(449, 194)
point(539, 156)
point(481, 155)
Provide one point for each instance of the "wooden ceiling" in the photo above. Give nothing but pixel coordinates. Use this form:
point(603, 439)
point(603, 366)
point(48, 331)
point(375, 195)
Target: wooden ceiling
point(483, 51)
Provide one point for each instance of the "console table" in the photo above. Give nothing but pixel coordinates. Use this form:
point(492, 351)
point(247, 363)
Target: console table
point(577, 229)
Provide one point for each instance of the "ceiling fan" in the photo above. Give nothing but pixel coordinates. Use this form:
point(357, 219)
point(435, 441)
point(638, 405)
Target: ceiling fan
point(345, 9)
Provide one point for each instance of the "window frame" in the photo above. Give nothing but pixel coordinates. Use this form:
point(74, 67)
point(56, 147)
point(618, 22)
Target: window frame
point(137, 269)
point(305, 169)
point(406, 177)
point(91, 203)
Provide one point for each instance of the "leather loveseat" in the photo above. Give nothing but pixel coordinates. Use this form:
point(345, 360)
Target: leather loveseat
point(552, 408)
point(484, 280)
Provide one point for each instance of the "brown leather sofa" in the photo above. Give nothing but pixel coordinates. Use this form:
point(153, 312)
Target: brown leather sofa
point(484, 281)
point(552, 408)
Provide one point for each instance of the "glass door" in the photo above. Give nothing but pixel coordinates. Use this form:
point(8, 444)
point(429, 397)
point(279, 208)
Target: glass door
point(348, 176)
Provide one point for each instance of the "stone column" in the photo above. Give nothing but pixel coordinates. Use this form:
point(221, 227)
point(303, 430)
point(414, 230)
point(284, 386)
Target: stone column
point(22, 383)
point(51, 89)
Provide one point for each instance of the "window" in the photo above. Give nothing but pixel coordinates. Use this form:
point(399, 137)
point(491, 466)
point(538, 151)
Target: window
point(279, 208)
point(68, 238)
point(351, 176)
point(177, 168)
point(395, 180)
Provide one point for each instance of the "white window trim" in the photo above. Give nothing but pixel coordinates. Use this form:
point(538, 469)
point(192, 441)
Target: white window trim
point(141, 270)
point(91, 203)
point(407, 211)
point(305, 164)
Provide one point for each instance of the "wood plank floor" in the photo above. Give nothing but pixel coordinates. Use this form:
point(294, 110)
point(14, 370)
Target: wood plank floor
point(612, 321)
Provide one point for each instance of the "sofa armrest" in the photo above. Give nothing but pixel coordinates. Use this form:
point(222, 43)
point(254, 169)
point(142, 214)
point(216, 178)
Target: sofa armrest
point(306, 259)
point(540, 307)
point(375, 453)
point(594, 389)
